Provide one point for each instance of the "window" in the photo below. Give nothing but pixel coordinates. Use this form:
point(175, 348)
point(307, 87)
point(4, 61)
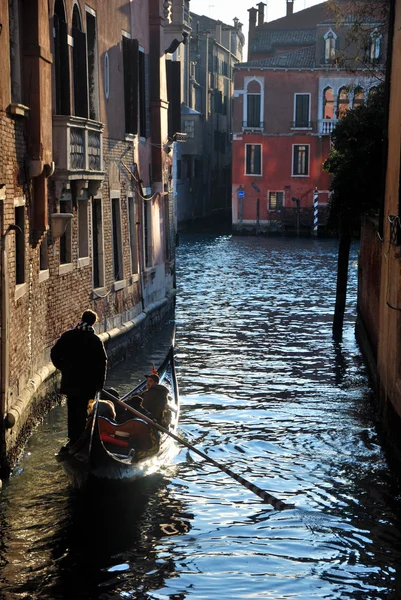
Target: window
point(253, 105)
point(359, 97)
point(189, 128)
point(79, 66)
point(66, 238)
point(253, 159)
point(93, 77)
point(343, 102)
point(328, 103)
point(375, 46)
point(179, 169)
point(276, 200)
point(143, 94)
point(132, 234)
point(300, 163)
point(118, 271)
point(97, 243)
point(19, 244)
point(302, 111)
point(131, 63)
point(61, 62)
point(43, 255)
point(83, 233)
point(330, 47)
point(147, 232)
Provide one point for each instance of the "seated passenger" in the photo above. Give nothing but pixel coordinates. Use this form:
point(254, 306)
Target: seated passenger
point(155, 398)
point(105, 409)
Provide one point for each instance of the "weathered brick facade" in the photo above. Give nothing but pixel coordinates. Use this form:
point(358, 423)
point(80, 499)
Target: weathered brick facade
point(107, 167)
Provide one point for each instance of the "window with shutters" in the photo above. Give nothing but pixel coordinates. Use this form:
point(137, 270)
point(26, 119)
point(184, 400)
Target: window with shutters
point(93, 67)
point(19, 220)
point(61, 61)
point(118, 270)
point(302, 111)
point(132, 220)
point(173, 71)
point(253, 105)
point(300, 160)
point(142, 76)
point(80, 78)
point(97, 243)
point(66, 238)
point(253, 159)
point(83, 227)
point(131, 70)
point(375, 46)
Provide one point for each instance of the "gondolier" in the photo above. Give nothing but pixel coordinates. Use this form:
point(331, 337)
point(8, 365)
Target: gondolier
point(81, 357)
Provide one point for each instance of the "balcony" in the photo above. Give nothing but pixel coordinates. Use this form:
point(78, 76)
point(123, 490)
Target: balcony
point(77, 148)
point(326, 126)
point(252, 126)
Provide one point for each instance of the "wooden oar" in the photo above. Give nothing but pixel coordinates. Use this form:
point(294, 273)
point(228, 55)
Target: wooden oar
point(265, 496)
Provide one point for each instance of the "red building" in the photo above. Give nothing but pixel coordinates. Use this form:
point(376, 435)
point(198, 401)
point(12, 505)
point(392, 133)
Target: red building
point(287, 100)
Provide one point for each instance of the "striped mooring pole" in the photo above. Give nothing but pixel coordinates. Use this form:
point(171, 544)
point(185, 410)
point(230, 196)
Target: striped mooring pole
point(315, 211)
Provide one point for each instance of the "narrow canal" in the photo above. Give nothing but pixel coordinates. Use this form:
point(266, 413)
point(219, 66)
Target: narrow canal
point(264, 390)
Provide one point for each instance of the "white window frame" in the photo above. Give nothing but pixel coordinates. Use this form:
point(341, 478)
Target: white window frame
point(329, 35)
point(292, 161)
point(261, 161)
point(247, 81)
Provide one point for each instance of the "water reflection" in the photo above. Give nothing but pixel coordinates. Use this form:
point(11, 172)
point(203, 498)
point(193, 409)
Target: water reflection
point(265, 391)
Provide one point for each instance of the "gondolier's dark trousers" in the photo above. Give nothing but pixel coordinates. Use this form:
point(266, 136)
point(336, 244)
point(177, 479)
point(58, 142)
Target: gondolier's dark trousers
point(77, 414)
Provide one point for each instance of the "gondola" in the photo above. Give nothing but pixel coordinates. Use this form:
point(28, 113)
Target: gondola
point(111, 453)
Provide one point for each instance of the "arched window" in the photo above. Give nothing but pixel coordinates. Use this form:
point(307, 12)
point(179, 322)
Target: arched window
point(79, 66)
point(375, 46)
point(253, 105)
point(359, 97)
point(328, 103)
point(343, 102)
point(330, 47)
point(61, 62)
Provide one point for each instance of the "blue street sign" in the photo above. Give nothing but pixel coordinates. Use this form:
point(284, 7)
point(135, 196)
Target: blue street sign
point(241, 193)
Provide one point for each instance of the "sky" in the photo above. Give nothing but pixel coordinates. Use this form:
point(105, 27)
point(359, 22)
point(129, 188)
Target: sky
point(226, 10)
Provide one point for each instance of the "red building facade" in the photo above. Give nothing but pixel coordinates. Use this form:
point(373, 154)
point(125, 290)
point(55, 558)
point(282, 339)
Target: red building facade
point(287, 100)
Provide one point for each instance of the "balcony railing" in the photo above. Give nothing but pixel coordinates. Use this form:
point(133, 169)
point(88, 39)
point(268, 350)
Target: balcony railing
point(252, 125)
point(77, 148)
point(326, 126)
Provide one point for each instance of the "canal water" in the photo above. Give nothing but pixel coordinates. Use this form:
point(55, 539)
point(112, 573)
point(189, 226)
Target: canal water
point(264, 390)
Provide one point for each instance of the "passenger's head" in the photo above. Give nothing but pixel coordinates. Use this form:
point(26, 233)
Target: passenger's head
point(135, 402)
point(106, 409)
point(151, 380)
point(89, 317)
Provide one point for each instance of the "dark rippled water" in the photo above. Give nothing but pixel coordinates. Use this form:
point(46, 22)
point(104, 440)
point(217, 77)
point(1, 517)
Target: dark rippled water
point(267, 392)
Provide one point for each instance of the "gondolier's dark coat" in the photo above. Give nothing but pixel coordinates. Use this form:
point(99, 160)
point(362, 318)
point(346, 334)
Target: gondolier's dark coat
point(81, 357)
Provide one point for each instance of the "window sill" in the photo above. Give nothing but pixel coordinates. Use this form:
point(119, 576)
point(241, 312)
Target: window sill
point(43, 275)
point(18, 110)
point(83, 262)
point(253, 175)
point(130, 137)
point(300, 175)
point(100, 292)
point(66, 268)
point(20, 290)
point(134, 278)
point(301, 128)
point(119, 285)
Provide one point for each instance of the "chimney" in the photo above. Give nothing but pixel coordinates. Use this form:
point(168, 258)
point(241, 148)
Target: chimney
point(290, 7)
point(261, 13)
point(252, 27)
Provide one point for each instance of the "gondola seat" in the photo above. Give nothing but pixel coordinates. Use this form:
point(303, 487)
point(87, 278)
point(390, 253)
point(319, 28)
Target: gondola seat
point(134, 434)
